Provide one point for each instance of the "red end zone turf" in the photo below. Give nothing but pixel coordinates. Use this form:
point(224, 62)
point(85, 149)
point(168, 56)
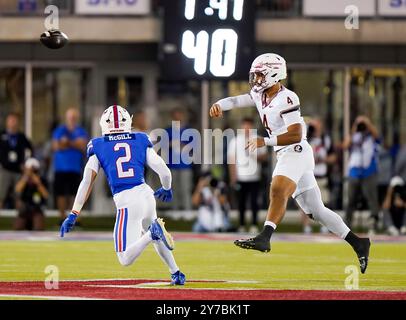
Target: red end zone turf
point(130, 289)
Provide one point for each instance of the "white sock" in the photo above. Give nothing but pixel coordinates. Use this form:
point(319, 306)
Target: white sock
point(133, 251)
point(270, 223)
point(166, 256)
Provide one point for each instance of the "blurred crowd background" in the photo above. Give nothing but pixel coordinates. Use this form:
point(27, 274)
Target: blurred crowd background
point(351, 84)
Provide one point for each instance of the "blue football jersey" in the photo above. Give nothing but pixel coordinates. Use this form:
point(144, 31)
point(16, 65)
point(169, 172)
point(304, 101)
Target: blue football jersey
point(122, 157)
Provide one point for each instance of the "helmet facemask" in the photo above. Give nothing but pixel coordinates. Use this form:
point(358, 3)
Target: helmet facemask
point(257, 80)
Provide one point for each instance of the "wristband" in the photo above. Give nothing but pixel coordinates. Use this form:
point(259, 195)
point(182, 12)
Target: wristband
point(271, 141)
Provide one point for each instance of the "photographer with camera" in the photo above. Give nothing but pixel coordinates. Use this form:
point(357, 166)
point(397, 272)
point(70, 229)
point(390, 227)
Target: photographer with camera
point(363, 167)
point(211, 200)
point(31, 194)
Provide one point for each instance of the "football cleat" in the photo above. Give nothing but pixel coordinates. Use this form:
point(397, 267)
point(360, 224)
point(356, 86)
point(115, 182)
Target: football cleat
point(256, 243)
point(158, 232)
point(363, 253)
point(178, 279)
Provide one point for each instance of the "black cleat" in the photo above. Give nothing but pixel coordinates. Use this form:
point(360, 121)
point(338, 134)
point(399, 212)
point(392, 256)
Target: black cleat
point(363, 253)
point(256, 243)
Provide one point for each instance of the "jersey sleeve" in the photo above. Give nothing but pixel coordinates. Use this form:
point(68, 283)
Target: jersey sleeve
point(90, 149)
point(148, 141)
point(241, 101)
point(157, 164)
point(93, 163)
point(290, 112)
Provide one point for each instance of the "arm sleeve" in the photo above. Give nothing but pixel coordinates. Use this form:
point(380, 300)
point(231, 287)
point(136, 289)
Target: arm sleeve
point(291, 116)
point(92, 165)
point(241, 101)
point(156, 163)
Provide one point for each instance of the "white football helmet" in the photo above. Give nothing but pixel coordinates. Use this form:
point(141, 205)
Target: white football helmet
point(115, 119)
point(273, 69)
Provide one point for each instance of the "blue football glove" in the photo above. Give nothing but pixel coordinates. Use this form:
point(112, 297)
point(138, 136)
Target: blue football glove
point(68, 224)
point(164, 195)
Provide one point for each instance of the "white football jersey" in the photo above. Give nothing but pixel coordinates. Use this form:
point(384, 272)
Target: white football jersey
point(273, 112)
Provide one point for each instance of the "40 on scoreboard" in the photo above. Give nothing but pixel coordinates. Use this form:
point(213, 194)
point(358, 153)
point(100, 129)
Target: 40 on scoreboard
point(207, 39)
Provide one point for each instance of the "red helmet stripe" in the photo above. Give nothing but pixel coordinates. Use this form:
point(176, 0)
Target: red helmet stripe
point(115, 115)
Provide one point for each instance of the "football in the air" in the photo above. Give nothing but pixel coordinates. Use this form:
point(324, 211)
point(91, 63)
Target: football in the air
point(54, 39)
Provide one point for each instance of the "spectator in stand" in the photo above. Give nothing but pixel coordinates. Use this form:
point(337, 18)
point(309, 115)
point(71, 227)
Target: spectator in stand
point(324, 156)
point(14, 149)
point(69, 145)
point(212, 203)
point(363, 168)
point(31, 194)
point(245, 172)
point(182, 173)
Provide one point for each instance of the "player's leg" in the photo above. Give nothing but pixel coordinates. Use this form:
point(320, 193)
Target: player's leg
point(162, 250)
point(290, 167)
point(128, 241)
point(165, 254)
point(310, 201)
point(282, 188)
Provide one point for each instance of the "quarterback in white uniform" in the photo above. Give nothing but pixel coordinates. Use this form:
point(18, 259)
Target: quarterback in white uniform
point(279, 109)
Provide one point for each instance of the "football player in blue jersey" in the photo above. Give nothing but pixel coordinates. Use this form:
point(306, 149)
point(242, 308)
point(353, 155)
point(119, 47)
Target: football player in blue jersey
point(123, 156)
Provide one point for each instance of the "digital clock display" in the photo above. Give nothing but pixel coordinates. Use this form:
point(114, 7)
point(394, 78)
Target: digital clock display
point(207, 39)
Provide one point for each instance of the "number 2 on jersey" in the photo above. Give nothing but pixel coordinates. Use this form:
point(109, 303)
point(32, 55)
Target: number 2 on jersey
point(124, 159)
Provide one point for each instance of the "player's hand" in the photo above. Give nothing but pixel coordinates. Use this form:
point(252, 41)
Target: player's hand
point(164, 195)
point(68, 224)
point(215, 111)
point(255, 143)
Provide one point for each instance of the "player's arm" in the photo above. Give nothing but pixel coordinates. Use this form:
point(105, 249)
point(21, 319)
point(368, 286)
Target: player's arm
point(158, 165)
point(85, 187)
point(229, 103)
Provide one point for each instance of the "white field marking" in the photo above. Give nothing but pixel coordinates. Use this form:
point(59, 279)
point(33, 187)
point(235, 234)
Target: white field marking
point(45, 297)
point(139, 285)
point(168, 287)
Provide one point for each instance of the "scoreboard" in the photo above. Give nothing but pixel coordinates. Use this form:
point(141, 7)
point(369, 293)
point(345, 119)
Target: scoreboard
point(207, 39)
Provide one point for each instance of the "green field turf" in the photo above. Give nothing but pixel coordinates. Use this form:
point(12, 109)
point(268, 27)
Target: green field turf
point(288, 266)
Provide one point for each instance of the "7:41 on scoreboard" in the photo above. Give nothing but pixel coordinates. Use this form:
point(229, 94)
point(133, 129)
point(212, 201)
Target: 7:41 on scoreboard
point(208, 38)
